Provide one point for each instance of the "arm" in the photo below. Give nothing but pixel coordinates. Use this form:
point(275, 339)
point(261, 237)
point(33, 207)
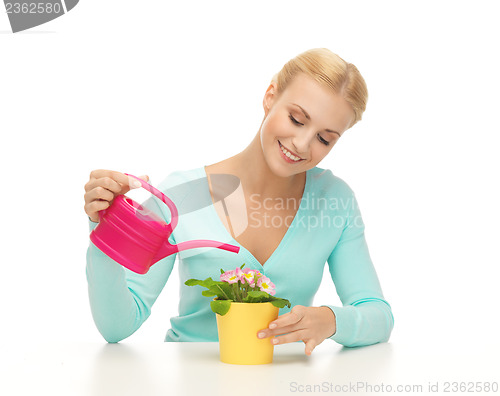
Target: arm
point(120, 299)
point(365, 318)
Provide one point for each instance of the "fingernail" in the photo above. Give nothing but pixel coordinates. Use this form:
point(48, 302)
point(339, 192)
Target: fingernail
point(275, 341)
point(273, 325)
point(261, 335)
point(136, 184)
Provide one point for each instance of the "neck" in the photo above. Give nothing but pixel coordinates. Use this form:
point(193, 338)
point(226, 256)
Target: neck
point(258, 178)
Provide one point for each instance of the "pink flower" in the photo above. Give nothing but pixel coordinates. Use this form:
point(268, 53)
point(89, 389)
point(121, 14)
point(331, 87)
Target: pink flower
point(248, 270)
point(232, 276)
point(265, 285)
point(249, 276)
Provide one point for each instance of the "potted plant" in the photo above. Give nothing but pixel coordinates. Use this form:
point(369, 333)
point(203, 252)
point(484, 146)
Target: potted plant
point(244, 303)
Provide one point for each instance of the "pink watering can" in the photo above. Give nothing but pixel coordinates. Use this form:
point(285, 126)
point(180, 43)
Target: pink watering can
point(137, 238)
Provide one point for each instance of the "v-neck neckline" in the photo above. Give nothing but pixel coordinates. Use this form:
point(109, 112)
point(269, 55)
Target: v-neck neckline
point(288, 234)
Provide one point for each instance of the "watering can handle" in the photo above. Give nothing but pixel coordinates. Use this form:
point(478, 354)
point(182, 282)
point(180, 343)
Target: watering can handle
point(162, 197)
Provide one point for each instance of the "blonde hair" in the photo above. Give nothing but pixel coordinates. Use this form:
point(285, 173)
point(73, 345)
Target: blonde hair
point(331, 71)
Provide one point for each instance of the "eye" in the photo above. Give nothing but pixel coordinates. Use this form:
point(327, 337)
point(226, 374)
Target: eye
point(323, 140)
point(319, 136)
point(294, 120)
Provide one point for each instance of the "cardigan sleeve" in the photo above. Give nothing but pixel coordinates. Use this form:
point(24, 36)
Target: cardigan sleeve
point(366, 317)
point(120, 299)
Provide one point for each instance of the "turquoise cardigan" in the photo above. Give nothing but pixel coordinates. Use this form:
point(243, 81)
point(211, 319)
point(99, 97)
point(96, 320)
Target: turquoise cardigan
point(327, 228)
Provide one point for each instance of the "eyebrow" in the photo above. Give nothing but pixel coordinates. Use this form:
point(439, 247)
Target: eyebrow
point(309, 118)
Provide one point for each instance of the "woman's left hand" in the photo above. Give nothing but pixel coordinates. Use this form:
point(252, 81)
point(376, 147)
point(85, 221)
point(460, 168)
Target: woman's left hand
point(312, 325)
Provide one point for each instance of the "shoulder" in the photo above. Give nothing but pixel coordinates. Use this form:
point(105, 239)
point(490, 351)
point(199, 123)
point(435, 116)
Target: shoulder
point(330, 191)
point(179, 183)
point(178, 177)
point(324, 183)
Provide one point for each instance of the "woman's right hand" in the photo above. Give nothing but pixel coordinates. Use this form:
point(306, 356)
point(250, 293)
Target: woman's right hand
point(102, 187)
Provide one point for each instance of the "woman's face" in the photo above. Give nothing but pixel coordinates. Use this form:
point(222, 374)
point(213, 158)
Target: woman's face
point(306, 120)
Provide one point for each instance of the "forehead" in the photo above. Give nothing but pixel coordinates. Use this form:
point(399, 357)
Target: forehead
point(304, 87)
point(320, 102)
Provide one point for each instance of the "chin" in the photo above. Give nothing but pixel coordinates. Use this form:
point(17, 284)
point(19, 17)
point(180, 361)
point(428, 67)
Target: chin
point(283, 170)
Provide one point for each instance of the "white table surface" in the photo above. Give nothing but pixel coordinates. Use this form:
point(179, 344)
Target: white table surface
point(73, 368)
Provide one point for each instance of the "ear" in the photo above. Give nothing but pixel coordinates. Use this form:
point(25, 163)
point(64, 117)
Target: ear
point(269, 97)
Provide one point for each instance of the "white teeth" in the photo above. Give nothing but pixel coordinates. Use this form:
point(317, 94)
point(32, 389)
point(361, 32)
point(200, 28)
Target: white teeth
point(288, 154)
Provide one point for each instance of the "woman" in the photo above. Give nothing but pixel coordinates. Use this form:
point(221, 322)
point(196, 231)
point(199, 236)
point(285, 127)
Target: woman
point(288, 216)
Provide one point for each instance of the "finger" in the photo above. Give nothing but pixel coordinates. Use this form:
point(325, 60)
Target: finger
point(287, 329)
point(125, 181)
point(284, 323)
point(310, 345)
point(292, 317)
point(106, 189)
point(291, 337)
point(99, 193)
point(279, 331)
point(135, 183)
point(97, 188)
point(107, 181)
point(95, 207)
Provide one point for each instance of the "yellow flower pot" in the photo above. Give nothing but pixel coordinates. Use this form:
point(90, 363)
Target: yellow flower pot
point(238, 342)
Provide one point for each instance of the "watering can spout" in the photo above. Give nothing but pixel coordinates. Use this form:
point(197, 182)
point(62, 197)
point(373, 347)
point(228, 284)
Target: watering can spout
point(167, 248)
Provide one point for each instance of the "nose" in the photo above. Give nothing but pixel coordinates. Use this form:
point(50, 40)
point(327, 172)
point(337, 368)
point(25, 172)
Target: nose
point(302, 141)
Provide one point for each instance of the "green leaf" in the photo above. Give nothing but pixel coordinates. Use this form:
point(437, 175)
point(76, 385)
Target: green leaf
point(260, 297)
point(215, 288)
point(281, 302)
point(256, 297)
point(195, 282)
point(223, 290)
point(220, 307)
point(208, 293)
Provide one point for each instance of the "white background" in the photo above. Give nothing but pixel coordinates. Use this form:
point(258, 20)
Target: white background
point(151, 87)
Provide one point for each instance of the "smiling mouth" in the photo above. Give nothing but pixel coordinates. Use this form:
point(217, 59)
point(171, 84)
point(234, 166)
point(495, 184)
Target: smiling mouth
point(288, 154)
